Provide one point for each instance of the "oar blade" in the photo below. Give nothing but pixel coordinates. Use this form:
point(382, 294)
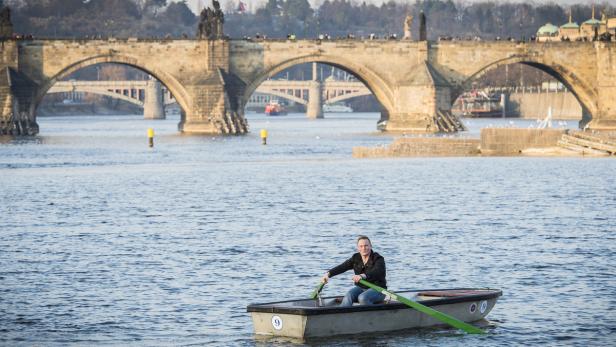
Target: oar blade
point(454, 322)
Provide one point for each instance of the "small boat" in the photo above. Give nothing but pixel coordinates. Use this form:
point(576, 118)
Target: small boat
point(337, 108)
point(307, 318)
point(479, 104)
point(274, 108)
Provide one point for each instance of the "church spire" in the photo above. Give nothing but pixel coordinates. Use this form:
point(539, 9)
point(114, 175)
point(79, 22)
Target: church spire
point(570, 17)
point(593, 11)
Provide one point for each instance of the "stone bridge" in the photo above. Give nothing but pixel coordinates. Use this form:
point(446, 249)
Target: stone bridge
point(415, 82)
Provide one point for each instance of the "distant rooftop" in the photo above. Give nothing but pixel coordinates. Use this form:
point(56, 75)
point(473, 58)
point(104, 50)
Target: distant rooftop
point(548, 29)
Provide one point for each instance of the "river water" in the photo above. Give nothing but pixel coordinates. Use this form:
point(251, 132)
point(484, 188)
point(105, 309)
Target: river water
point(104, 240)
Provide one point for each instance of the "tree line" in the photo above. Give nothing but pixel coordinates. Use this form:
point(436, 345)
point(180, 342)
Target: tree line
point(279, 18)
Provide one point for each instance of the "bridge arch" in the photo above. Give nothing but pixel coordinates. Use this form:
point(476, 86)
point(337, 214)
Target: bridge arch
point(373, 82)
point(580, 89)
point(103, 92)
point(285, 96)
point(178, 91)
point(347, 96)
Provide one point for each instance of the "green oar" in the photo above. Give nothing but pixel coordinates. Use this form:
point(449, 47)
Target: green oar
point(317, 290)
point(427, 310)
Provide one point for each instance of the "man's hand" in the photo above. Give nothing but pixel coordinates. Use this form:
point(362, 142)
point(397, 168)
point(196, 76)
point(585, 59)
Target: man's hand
point(356, 278)
point(325, 278)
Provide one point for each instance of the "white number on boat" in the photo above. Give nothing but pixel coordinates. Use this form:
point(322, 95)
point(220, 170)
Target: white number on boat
point(483, 306)
point(277, 322)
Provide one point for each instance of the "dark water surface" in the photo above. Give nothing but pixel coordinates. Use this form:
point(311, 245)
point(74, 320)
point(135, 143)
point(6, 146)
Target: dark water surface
point(104, 240)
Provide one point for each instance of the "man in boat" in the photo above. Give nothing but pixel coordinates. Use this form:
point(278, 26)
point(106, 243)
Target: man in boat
point(367, 265)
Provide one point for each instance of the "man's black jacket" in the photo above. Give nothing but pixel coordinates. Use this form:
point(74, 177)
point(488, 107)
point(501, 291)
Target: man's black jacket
point(374, 269)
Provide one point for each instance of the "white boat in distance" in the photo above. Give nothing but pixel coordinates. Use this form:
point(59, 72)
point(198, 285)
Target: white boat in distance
point(337, 108)
point(308, 318)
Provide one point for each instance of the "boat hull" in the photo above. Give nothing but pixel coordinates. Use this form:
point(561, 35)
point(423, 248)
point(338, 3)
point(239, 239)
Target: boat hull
point(298, 320)
point(276, 113)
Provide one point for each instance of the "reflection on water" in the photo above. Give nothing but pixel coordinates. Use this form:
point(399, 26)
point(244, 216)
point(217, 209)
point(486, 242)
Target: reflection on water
point(106, 240)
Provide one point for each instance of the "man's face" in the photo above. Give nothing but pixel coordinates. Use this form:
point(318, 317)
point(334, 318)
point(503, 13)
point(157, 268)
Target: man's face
point(364, 247)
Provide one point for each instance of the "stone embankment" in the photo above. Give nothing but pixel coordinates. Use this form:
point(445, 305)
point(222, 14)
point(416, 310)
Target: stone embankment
point(421, 147)
point(500, 142)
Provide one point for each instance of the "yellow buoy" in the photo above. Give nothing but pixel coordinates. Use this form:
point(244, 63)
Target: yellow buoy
point(264, 136)
point(151, 137)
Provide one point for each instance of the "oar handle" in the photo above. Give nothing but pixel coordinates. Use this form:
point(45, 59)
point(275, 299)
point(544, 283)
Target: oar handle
point(317, 290)
point(454, 322)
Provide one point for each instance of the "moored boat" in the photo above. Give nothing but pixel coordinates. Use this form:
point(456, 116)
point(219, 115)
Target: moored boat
point(480, 104)
point(308, 318)
point(337, 108)
point(273, 108)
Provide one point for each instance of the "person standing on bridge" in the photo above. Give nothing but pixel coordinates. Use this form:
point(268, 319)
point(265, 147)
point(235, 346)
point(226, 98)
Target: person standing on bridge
point(367, 265)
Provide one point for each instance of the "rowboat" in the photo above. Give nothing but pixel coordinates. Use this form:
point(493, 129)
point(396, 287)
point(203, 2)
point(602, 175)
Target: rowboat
point(306, 318)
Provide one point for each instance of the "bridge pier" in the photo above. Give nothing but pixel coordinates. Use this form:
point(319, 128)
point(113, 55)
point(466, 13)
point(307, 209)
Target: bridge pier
point(600, 124)
point(214, 95)
point(17, 108)
point(423, 104)
point(604, 119)
point(314, 110)
point(153, 107)
point(215, 111)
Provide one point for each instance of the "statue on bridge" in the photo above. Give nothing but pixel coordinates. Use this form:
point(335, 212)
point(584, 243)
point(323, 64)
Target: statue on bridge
point(219, 20)
point(204, 30)
point(408, 23)
point(6, 27)
point(211, 22)
point(423, 31)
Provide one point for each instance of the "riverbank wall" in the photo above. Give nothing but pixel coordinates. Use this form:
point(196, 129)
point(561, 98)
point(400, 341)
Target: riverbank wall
point(535, 105)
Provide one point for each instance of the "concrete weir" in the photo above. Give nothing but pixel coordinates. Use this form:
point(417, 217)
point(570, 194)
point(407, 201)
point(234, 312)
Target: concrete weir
point(500, 142)
point(422, 147)
point(495, 141)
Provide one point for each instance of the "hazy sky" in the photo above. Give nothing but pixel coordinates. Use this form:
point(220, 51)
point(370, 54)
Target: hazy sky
point(255, 3)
